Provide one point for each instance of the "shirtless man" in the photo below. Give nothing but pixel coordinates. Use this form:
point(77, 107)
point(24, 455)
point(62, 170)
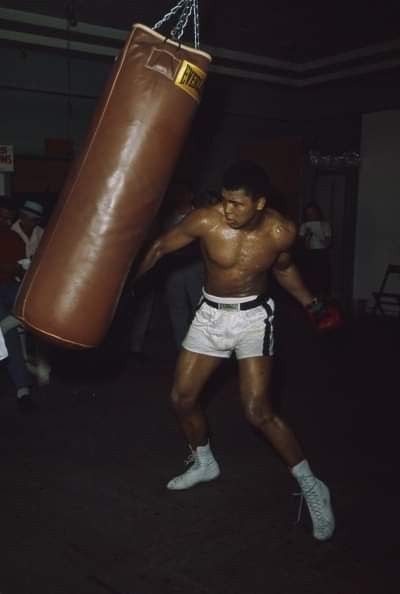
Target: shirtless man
point(241, 239)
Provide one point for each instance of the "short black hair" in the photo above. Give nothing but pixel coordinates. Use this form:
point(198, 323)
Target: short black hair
point(248, 176)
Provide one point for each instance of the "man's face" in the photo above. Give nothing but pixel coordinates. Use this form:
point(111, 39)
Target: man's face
point(27, 222)
point(240, 209)
point(311, 214)
point(6, 218)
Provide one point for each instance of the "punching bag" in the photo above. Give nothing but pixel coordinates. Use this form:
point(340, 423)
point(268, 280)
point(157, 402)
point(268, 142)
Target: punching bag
point(113, 191)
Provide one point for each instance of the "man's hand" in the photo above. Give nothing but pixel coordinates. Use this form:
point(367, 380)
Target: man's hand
point(324, 316)
point(22, 267)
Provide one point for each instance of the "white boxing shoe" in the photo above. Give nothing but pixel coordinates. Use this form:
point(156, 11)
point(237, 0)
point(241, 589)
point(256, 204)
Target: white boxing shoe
point(203, 468)
point(318, 500)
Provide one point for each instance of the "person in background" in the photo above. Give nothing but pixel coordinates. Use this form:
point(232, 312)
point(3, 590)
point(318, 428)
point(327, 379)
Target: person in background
point(12, 248)
point(3, 348)
point(316, 236)
point(28, 231)
point(206, 198)
point(28, 226)
point(184, 268)
point(12, 251)
point(143, 298)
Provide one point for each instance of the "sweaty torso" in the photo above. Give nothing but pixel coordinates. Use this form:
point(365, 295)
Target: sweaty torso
point(237, 260)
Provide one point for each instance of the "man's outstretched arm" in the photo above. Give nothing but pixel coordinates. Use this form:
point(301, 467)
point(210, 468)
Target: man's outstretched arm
point(176, 238)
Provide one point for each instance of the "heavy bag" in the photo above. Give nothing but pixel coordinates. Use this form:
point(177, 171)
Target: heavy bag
point(114, 190)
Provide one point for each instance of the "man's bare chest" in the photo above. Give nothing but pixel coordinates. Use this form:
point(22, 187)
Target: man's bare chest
point(239, 250)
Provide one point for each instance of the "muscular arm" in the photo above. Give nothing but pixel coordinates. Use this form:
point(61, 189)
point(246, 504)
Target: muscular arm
point(285, 270)
point(188, 230)
point(288, 276)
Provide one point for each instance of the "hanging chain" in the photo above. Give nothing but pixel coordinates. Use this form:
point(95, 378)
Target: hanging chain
point(185, 8)
point(196, 22)
point(181, 25)
point(169, 15)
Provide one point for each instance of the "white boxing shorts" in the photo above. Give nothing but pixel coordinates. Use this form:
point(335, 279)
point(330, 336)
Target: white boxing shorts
point(226, 325)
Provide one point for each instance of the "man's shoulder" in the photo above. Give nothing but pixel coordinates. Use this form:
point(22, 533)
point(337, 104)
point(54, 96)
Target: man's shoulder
point(207, 216)
point(280, 230)
point(16, 228)
point(277, 224)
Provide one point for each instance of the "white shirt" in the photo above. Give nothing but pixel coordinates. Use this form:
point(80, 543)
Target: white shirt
point(32, 242)
point(3, 348)
point(317, 234)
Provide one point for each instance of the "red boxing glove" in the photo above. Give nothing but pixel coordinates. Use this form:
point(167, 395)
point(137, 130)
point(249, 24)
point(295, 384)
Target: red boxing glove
point(324, 316)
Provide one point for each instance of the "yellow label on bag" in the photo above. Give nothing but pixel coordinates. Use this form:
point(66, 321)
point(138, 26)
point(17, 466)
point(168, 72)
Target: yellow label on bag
point(190, 78)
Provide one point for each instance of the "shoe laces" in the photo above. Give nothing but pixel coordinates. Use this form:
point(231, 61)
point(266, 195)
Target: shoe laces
point(191, 458)
point(313, 499)
point(300, 508)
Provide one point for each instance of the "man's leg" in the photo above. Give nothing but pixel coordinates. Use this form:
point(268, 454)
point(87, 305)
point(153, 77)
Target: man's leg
point(255, 379)
point(255, 376)
point(16, 363)
point(192, 373)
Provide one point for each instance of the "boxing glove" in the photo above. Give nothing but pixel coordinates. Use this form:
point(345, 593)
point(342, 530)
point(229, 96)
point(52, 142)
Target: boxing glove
point(324, 316)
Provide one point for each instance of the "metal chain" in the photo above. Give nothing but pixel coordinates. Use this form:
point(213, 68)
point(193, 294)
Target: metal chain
point(196, 23)
point(186, 8)
point(169, 14)
point(178, 30)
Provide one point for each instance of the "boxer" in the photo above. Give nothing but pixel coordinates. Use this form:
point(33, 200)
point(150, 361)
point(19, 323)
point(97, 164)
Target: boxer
point(241, 239)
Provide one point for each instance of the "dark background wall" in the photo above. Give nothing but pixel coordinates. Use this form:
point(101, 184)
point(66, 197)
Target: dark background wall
point(47, 99)
point(378, 216)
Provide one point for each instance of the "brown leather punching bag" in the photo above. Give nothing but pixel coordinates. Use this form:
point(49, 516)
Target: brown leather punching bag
point(113, 191)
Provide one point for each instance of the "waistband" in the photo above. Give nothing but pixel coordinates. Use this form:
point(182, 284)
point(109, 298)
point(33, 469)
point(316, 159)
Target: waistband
point(234, 303)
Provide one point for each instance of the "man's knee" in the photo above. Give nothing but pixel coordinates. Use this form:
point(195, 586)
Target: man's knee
point(182, 400)
point(258, 413)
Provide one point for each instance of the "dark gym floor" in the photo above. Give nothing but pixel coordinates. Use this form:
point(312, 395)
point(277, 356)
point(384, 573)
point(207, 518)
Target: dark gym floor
point(83, 504)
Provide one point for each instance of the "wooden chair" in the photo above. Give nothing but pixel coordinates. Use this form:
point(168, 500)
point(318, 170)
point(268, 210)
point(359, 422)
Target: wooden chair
point(387, 299)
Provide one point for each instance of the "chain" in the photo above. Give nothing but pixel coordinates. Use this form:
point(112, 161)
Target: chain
point(178, 30)
point(169, 14)
point(196, 21)
point(185, 8)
